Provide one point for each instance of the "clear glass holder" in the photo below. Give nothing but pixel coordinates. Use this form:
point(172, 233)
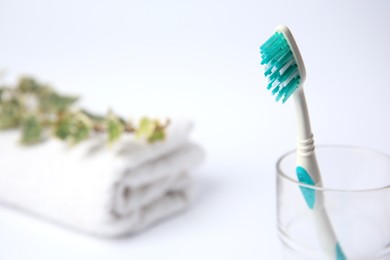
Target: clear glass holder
point(356, 192)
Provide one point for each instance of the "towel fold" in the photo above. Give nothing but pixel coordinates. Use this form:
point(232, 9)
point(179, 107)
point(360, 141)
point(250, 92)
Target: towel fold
point(106, 191)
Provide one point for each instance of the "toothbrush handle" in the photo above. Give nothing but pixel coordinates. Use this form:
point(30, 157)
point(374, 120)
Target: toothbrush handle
point(308, 173)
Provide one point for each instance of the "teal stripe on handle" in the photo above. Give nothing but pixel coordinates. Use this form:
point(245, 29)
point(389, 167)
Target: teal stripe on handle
point(308, 194)
point(339, 253)
point(310, 198)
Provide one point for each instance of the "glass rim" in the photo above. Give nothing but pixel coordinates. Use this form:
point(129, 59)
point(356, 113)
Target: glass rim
point(288, 178)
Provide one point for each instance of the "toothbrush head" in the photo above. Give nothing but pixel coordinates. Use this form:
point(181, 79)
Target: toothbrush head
point(283, 64)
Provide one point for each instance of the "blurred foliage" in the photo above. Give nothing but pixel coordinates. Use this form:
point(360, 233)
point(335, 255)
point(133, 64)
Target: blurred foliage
point(31, 130)
point(115, 127)
point(39, 111)
point(73, 127)
point(152, 130)
point(10, 113)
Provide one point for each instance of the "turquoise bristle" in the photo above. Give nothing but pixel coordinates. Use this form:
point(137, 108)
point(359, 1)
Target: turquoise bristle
point(281, 68)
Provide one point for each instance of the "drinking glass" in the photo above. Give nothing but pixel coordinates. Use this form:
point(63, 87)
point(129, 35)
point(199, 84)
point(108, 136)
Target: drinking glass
point(356, 192)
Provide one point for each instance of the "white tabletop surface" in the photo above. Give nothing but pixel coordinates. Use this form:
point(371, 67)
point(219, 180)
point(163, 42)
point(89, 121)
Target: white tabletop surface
point(200, 59)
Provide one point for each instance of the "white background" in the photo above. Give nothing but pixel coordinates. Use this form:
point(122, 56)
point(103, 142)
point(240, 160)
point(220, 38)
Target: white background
point(200, 59)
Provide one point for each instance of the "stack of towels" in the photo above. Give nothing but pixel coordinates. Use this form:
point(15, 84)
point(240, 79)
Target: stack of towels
point(106, 191)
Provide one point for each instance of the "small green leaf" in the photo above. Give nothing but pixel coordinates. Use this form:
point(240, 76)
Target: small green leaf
point(114, 126)
point(10, 114)
point(79, 133)
point(145, 128)
point(44, 90)
point(158, 135)
point(2, 89)
point(62, 127)
point(31, 130)
point(28, 85)
point(93, 116)
point(73, 127)
point(151, 130)
point(53, 102)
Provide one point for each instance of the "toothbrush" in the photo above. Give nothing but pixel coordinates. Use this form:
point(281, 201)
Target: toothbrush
point(285, 70)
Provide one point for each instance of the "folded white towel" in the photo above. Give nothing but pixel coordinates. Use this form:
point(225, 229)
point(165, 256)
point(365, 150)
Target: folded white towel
point(107, 191)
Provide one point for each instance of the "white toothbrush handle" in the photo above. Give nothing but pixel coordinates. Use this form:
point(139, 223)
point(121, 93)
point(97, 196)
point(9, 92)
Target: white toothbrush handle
point(308, 172)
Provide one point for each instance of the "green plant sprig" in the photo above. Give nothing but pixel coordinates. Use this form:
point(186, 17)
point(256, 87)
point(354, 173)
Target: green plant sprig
point(40, 112)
